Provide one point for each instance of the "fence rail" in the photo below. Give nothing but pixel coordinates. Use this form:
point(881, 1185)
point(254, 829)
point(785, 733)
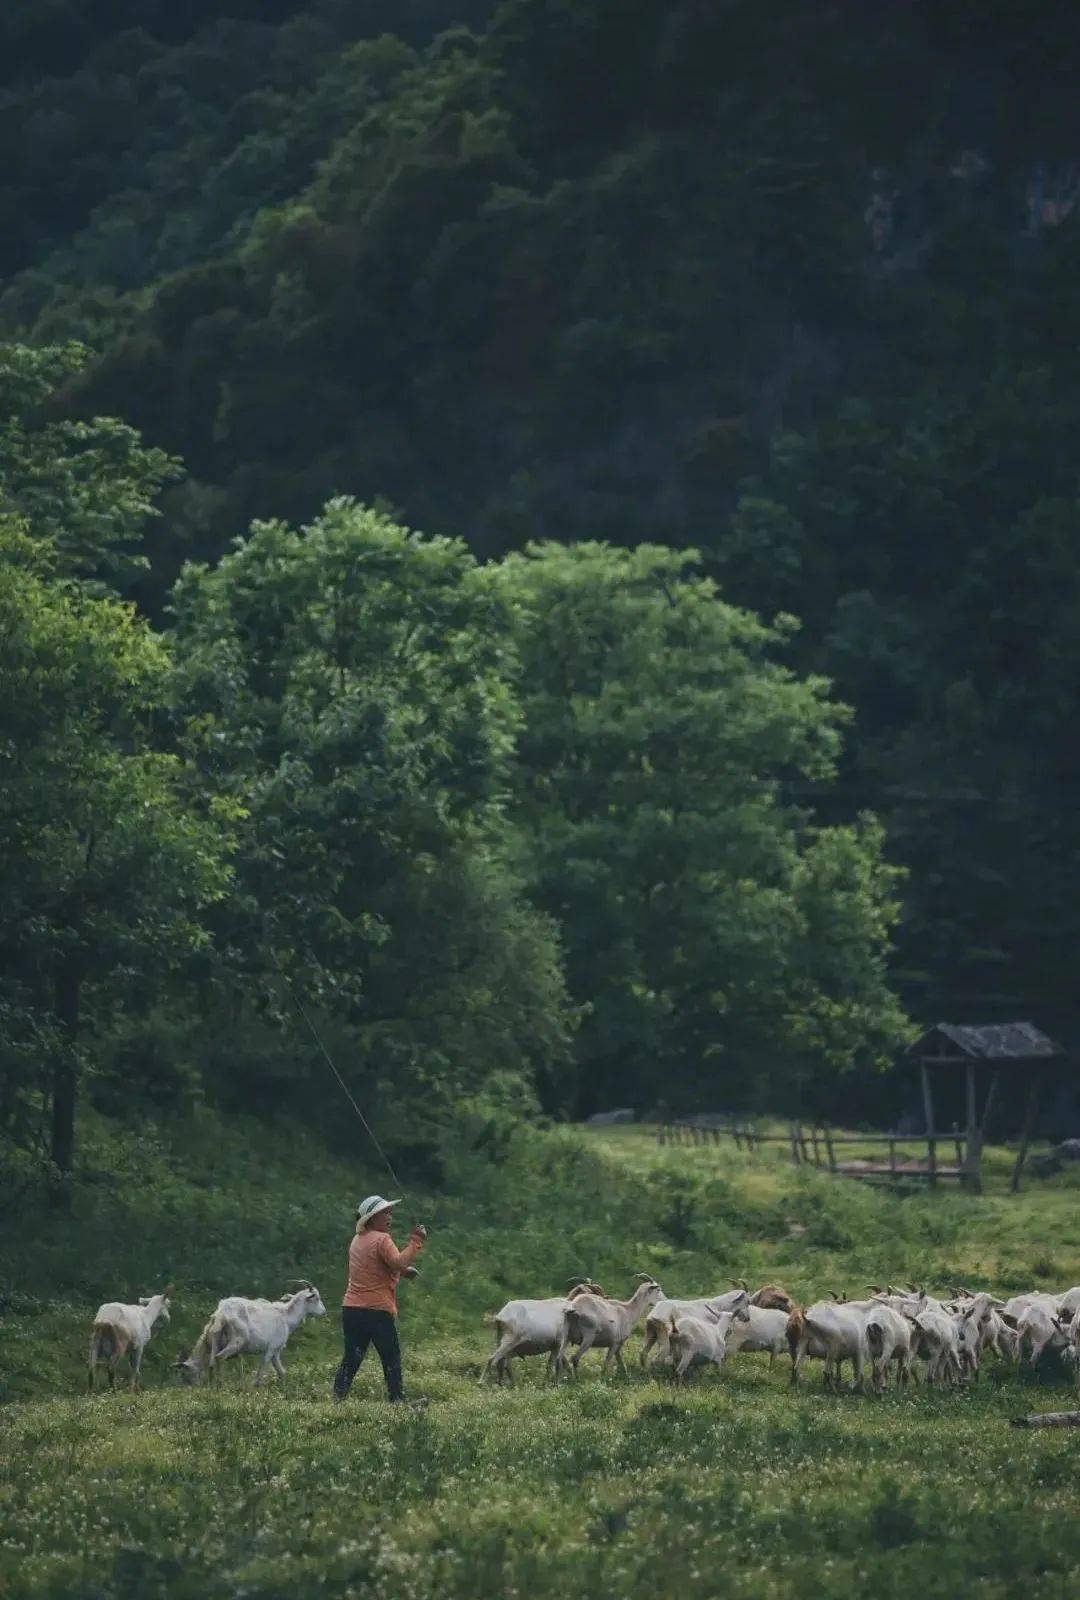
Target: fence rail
point(816, 1144)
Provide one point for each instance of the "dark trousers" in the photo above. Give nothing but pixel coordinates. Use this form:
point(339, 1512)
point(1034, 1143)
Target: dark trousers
point(361, 1328)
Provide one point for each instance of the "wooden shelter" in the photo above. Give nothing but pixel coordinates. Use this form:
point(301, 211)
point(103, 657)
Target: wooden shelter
point(1013, 1047)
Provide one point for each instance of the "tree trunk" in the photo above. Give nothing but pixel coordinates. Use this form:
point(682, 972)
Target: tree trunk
point(973, 1143)
point(63, 1087)
point(1049, 1419)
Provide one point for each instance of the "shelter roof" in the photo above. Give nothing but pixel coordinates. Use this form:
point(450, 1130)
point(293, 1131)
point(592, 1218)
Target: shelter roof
point(998, 1041)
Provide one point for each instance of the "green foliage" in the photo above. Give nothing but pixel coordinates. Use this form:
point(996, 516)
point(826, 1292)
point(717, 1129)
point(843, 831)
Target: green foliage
point(435, 780)
point(108, 863)
point(706, 924)
point(84, 489)
point(774, 285)
point(108, 866)
point(347, 686)
point(958, 650)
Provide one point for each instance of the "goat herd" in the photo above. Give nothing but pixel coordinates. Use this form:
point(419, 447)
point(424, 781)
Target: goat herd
point(894, 1328)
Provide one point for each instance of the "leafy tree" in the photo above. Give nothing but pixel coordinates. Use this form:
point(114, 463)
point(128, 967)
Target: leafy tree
point(85, 490)
point(708, 923)
point(347, 684)
point(935, 560)
point(108, 867)
point(564, 271)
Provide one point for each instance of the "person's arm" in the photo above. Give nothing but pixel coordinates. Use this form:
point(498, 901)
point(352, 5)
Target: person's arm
point(397, 1260)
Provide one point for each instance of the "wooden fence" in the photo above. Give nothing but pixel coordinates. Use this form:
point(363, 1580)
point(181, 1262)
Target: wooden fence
point(816, 1145)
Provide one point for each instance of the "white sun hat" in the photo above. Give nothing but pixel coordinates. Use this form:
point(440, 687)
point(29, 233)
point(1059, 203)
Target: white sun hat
point(372, 1206)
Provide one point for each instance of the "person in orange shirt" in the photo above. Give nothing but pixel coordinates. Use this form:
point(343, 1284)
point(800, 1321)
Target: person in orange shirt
point(369, 1309)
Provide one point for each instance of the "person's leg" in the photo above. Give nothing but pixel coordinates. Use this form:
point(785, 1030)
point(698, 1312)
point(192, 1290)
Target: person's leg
point(357, 1338)
point(384, 1334)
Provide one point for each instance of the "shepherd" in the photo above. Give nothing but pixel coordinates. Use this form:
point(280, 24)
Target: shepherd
point(369, 1309)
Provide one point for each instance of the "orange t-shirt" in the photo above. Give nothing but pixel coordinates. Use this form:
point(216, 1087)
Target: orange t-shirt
point(375, 1265)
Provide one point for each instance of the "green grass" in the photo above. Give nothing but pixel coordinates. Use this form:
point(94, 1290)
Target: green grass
point(606, 1487)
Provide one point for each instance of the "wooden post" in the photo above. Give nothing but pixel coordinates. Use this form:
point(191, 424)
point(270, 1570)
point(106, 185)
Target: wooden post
point(1030, 1113)
point(928, 1113)
point(813, 1138)
point(794, 1137)
point(892, 1155)
point(973, 1161)
point(988, 1106)
point(803, 1144)
point(829, 1147)
point(959, 1143)
point(977, 1127)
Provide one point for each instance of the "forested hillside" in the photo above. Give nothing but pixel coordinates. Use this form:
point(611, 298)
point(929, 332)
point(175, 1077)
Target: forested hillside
point(791, 286)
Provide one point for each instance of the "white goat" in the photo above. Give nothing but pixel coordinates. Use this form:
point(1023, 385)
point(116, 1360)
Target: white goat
point(1014, 1308)
point(1069, 1302)
point(981, 1328)
point(763, 1329)
point(834, 1331)
point(693, 1340)
point(591, 1320)
point(997, 1335)
point(658, 1321)
point(1070, 1332)
point(1038, 1324)
point(530, 1328)
point(251, 1327)
point(119, 1328)
point(888, 1339)
point(994, 1333)
point(935, 1338)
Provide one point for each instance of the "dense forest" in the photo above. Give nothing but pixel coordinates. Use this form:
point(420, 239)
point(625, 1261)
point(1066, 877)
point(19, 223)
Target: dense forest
point(722, 716)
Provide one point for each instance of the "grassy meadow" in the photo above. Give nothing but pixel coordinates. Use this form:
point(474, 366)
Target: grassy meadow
point(607, 1487)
